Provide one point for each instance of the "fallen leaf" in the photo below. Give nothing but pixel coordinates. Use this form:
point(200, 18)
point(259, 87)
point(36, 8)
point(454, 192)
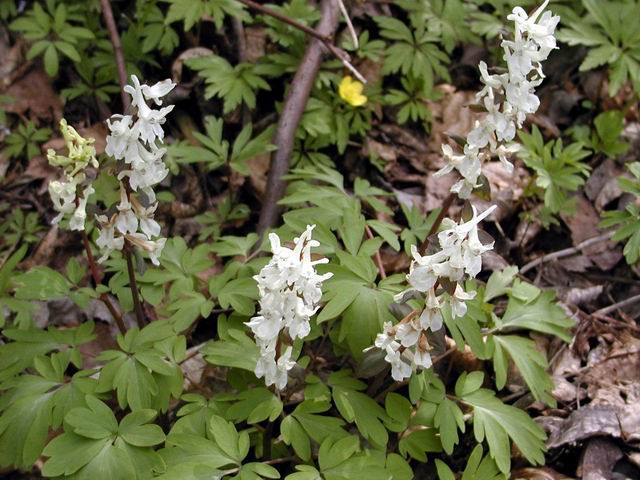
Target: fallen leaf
point(587, 422)
point(34, 96)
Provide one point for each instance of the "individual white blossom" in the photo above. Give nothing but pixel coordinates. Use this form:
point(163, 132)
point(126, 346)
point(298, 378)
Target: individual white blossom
point(290, 289)
point(507, 98)
point(134, 141)
point(400, 367)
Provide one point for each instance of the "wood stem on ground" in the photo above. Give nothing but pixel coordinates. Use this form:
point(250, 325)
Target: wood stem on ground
point(292, 110)
point(114, 36)
point(567, 252)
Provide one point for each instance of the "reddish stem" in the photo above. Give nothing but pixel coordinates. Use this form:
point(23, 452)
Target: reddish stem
point(97, 280)
point(114, 36)
point(376, 255)
point(137, 304)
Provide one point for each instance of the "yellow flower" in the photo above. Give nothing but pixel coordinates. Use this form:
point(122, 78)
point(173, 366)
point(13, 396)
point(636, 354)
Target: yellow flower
point(351, 92)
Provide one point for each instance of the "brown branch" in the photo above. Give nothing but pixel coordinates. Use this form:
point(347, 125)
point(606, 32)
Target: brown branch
point(317, 34)
point(292, 111)
point(133, 284)
point(107, 14)
point(446, 205)
point(376, 256)
point(97, 280)
point(567, 252)
point(617, 306)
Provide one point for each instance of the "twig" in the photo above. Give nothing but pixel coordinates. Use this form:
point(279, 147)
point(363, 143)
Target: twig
point(446, 205)
point(617, 306)
point(318, 34)
point(97, 280)
point(293, 109)
point(567, 252)
point(352, 31)
point(133, 284)
point(107, 14)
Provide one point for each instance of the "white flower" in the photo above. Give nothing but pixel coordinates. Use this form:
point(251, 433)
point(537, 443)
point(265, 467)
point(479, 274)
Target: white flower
point(283, 365)
point(107, 240)
point(422, 358)
point(120, 137)
point(158, 90)
point(387, 337)
point(132, 139)
point(408, 334)
point(431, 317)
point(150, 121)
point(290, 290)
point(458, 299)
point(63, 196)
point(399, 368)
point(508, 98)
point(79, 217)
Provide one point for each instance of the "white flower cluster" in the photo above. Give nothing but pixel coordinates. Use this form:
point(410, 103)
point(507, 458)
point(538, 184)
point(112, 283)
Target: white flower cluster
point(290, 290)
point(68, 195)
point(507, 98)
point(135, 139)
point(459, 257)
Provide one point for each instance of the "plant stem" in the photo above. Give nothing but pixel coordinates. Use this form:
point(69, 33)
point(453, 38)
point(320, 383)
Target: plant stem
point(134, 285)
point(446, 205)
point(114, 36)
point(97, 280)
point(376, 255)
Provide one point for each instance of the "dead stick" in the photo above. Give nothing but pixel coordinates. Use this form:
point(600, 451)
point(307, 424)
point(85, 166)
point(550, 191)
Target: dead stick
point(107, 14)
point(292, 110)
point(616, 306)
point(567, 252)
point(97, 280)
point(134, 285)
point(317, 34)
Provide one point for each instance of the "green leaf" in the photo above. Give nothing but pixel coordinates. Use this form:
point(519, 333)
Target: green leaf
point(542, 315)
point(240, 294)
point(499, 282)
point(51, 61)
point(41, 283)
point(420, 442)
point(255, 405)
point(530, 363)
point(497, 422)
point(238, 351)
point(358, 407)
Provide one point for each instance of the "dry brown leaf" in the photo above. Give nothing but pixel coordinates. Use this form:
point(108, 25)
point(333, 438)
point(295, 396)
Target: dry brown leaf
point(33, 95)
point(178, 63)
point(256, 42)
point(451, 115)
point(587, 422)
point(540, 473)
point(598, 459)
point(583, 225)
